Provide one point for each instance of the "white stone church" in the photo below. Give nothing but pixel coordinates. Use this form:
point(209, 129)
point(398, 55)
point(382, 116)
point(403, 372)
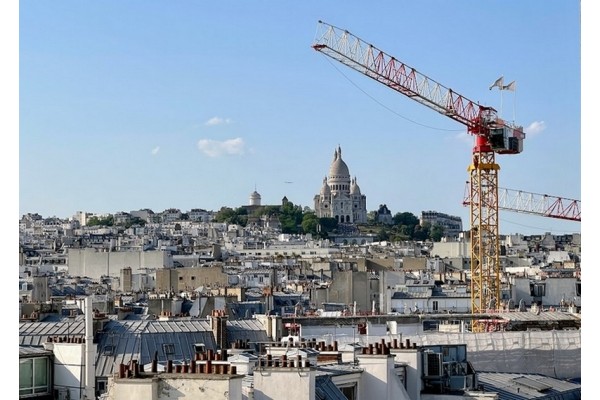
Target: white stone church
point(340, 196)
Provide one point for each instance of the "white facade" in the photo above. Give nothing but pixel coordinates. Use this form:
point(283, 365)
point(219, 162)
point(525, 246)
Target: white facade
point(254, 199)
point(379, 380)
point(452, 249)
point(452, 224)
point(94, 264)
point(550, 291)
point(340, 195)
point(277, 383)
point(180, 386)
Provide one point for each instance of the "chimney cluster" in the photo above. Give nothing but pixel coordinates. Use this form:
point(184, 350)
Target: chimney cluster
point(65, 339)
point(384, 348)
point(283, 362)
point(310, 344)
point(208, 362)
point(240, 344)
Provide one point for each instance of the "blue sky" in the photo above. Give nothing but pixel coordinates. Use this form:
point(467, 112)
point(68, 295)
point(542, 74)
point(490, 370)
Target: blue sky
point(125, 105)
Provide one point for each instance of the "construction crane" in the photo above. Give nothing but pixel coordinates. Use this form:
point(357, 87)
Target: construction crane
point(535, 204)
point(492, 136)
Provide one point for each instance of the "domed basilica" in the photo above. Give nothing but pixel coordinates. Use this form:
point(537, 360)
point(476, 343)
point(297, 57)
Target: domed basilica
point(340, 196)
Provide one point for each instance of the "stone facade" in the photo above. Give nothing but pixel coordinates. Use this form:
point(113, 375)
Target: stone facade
point(340, 195)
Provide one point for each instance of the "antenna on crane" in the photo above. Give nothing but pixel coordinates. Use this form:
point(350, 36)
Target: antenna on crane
point(512, 87)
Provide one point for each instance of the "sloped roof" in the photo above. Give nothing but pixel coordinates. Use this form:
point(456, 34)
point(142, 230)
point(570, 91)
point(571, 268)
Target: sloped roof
point(140, 339)
point(123, 341)
point(246, 329)
point(325, 389)
point(542, 316)
point(28, 351)
point(511, 386)
point(37, 333)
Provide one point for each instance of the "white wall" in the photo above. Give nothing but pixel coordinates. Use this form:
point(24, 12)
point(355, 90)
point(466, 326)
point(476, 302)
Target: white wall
point(177, 386)
point(379, 381)
point(93, 264)
point(275, 383)
point(412, 359)
point(69, 367)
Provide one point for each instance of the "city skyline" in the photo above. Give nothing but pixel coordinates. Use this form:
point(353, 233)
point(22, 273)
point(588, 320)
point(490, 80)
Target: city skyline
point(125, 107)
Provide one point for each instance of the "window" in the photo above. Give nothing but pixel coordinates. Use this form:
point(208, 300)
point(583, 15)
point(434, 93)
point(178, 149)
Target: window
point(349, 391)
point(168, 349)
point(435, 305)
point(33, 376)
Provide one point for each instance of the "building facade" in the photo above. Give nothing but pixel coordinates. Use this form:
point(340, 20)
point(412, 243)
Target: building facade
point(452, 224)
point(340, 195)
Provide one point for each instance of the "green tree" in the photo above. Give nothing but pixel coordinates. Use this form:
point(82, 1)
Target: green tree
point(310, 223)
point(290, 218)
point(372, 217)
point(239, 216)
point(436, 232)
point(135, 221)
point(224, 214)
point(270, 210)
point(405, 218)
point(422, 231)
point(95, 221)
point(383, 234)
point(328, 224)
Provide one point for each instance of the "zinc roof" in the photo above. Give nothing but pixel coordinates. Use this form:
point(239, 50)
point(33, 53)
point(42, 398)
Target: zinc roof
point(37, 333)
point(528, 316)
point(123, 341)
point(325, 389)
point(27, 351)
point(246, 329)
point(512, 386)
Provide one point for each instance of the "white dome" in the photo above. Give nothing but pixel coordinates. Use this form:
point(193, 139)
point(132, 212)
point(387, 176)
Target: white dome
point(354, 188)
point(255, 198)
point(325, 189)
point(338, 168)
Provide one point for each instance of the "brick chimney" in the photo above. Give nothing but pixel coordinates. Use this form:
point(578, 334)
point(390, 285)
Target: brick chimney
point(218, 323)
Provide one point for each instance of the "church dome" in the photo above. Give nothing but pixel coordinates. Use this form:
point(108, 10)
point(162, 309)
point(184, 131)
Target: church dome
point(338, 168)
point(325, 189)
point(354, 188)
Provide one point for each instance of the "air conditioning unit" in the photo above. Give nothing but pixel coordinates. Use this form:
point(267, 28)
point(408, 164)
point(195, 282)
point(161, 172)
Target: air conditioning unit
point(433, 364)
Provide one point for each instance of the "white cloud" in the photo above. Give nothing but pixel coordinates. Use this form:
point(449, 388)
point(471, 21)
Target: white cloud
point(217, 121)
point(155, 150)
point(535, 128)
point(215, 148)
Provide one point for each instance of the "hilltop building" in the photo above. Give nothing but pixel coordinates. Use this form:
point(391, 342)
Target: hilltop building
point(340, 195)
point(255, 198)
point(452, 224)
